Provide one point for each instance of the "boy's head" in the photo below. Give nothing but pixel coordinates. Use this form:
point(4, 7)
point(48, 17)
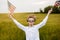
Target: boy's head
point(31, 19)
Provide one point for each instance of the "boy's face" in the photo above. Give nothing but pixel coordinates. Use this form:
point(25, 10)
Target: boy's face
point(31, 21)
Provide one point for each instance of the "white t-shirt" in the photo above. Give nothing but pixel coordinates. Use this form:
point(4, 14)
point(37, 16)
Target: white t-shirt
point(32, 33)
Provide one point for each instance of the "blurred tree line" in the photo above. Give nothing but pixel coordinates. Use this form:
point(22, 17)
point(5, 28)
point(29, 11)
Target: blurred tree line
point(55, 9)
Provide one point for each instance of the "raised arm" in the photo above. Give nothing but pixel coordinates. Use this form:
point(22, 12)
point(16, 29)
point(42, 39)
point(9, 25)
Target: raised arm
point(19, 25)
point(44, 20)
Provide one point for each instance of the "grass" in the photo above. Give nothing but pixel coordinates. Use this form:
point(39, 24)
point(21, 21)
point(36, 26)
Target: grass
point(9, 31)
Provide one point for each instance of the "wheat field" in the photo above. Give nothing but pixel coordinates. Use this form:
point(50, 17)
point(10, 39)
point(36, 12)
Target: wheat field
point(9, 31)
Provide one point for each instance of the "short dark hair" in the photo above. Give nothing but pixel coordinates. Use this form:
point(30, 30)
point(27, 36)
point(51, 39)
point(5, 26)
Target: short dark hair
point(32, 16)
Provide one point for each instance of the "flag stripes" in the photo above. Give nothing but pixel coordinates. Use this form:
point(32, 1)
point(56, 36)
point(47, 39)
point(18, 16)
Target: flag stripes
point(57, 3)
point(11, 7)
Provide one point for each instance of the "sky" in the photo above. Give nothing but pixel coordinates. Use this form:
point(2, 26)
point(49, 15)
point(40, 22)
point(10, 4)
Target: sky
point(25, 5)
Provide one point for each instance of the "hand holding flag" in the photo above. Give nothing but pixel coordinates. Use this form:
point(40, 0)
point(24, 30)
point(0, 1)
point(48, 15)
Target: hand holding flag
point(11, 8)
point(57, 3)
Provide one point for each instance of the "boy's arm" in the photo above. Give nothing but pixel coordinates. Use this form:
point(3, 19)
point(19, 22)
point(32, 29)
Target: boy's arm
point(19, 25)
point(44, 20)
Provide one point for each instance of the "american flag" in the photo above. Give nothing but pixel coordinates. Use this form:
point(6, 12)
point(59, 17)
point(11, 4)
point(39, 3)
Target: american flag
point(11, 7)
point(57, 3)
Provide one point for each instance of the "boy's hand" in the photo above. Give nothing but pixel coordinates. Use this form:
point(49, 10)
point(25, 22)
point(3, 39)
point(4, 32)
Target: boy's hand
point(10, 15)
point(50, 11)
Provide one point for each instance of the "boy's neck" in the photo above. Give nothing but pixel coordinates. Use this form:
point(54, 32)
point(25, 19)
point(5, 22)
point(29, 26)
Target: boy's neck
point(30, 25)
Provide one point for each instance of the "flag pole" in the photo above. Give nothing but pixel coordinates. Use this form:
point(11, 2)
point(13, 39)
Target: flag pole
point(8, 9)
